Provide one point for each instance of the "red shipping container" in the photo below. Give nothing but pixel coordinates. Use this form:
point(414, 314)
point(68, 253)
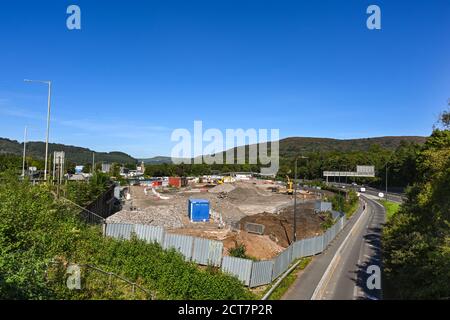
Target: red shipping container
point(177, 182)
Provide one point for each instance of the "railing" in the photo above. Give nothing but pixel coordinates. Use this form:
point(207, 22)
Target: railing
point(133, 285)
point(87, 215)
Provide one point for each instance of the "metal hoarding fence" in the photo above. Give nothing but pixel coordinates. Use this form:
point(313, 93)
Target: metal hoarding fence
point(318, 244)
point(308, 247)
point(181, 243)
point(119, 230)
point(241, 268)
point(282, 262)
point(210, 252)
point(150, 233)
point(297, 250)
point(207, 252)
point(261, 273)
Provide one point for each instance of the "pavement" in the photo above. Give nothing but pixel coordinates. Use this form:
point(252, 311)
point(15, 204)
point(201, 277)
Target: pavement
point(340, 272)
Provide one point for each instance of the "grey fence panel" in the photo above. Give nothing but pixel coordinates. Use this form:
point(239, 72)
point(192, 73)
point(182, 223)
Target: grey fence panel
point(241, 268)
point(261, 273)
point(119, 230)
point(282, 262)
point(336, 214)
point(181, 243)
point(150, 233)
point(327, 238)
point(207, 252)
point(318, 244)
point(297, 250)
point(342, 224)
point(308, 247)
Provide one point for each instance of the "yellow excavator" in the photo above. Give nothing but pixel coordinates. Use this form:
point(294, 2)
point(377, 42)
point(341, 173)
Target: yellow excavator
point(289, 186)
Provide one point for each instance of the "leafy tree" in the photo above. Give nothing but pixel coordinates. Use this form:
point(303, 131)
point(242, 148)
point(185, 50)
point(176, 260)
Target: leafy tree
point(416, 241)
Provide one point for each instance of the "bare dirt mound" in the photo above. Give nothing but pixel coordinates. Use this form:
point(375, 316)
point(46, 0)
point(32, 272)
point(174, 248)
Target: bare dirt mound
point(225, 187)
point(279, 227)
point(257, 246)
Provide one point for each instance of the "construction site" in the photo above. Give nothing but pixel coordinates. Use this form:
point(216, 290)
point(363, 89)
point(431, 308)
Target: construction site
point(256, 213)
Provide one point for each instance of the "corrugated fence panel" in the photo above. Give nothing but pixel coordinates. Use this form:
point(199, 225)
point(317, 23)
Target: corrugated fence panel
point(261, 273)
point(343, 220)
point(119, 230)
point(180, 242)
point(149, 233)
point(297, 250)
point(318, 244)
point(241, 268)
point(327, 236)
point(308, 248)
point(282, 262)
point(207, 252)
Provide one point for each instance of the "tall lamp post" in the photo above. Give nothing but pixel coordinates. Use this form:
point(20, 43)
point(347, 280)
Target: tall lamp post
point(49, 83)
point(295, 197)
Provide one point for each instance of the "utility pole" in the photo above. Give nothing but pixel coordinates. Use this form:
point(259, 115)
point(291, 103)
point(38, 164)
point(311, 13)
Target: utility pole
point(24, 151)
point(49, 83)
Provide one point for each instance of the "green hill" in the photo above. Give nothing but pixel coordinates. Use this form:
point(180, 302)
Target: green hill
point(295, 145)
point(288, 147)
point(79, 155)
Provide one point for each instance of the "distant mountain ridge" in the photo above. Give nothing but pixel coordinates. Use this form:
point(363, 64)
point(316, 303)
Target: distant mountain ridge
point(293, 146)
point(79, 155)
point(288, 147)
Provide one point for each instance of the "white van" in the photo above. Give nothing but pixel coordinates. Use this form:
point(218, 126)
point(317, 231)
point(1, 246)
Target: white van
point(362, 189)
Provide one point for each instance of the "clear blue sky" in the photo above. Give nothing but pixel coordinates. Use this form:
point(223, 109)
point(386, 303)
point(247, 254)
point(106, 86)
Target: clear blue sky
point(139, 69)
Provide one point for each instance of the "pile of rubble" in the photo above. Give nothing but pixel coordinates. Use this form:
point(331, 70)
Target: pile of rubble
point(167, 217)
point(222, 188)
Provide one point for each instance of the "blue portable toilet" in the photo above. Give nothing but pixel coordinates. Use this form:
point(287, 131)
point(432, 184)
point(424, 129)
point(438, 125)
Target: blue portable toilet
point(198, 210)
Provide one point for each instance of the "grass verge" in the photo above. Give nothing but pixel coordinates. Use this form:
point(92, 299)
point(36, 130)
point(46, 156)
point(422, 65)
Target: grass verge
point(391, 208)
point(289, 280)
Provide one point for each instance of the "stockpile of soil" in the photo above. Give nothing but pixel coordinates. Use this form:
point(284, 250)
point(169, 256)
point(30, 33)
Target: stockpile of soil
point(279, 227)
point(256, 246)
point(225, 187)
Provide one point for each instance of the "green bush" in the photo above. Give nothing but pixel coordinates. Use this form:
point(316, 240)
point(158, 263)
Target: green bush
point(239, 251)
point(35, 230)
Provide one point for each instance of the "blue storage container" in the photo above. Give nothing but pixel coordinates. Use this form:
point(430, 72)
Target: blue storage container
point(198, 210)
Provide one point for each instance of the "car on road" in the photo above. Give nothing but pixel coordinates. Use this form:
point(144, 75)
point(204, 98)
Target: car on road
point(362, 189)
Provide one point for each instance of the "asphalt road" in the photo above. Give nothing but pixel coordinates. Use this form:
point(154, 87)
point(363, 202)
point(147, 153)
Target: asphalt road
point(339, 273)
point(391, 196)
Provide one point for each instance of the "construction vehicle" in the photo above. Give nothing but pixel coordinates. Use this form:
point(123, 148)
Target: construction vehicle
point(219, 181)
point(289, 186)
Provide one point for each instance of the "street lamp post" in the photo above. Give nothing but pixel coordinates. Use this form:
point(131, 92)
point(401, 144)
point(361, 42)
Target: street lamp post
point(295, 197)
point(49, 83)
